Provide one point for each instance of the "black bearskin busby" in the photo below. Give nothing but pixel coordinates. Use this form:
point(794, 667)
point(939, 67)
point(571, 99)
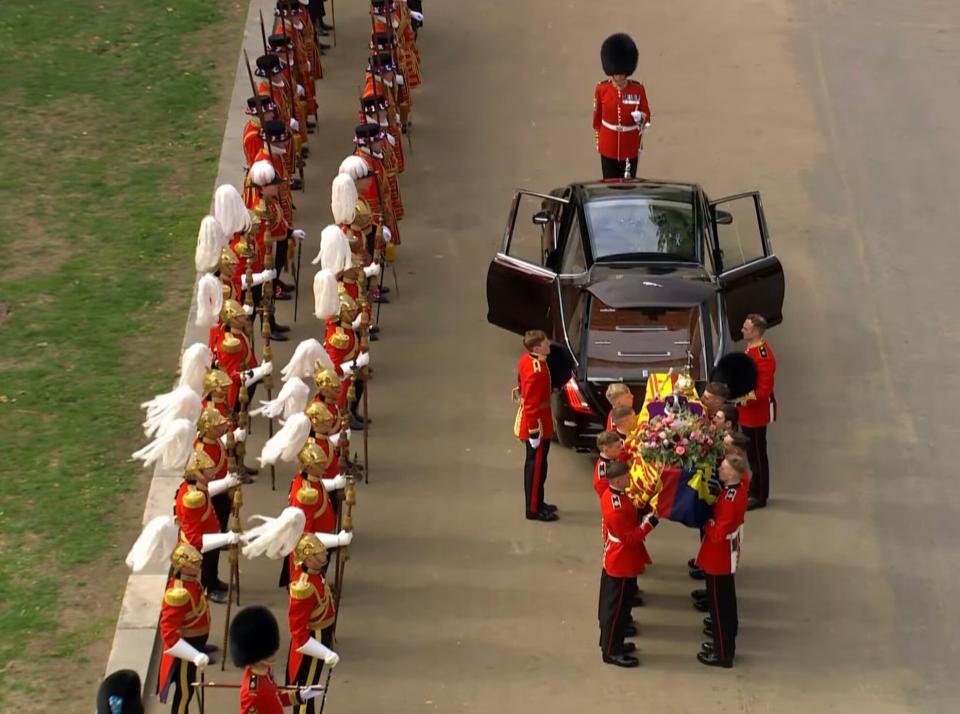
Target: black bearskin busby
point(738, 371)
point(254, 636)
point(619, 55)
point(119, 693)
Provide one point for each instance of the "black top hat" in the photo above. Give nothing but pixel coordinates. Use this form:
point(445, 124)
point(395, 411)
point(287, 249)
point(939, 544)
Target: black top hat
point(278, 41)
point(738, 371)
point(366, 134)
point(275, 130)
point(268, 65)
point(265, 102)
point(619, 55)
point(286, 7)
point(119, 693)
point(381, 41)
point(373, 103)
point(254, 636)
point(382, 62)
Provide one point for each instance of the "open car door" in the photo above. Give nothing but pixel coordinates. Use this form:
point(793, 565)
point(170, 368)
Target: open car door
point(751, 277)
point(521, 291)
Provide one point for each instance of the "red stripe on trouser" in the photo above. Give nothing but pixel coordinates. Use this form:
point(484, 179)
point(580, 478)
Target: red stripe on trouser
point(535, 487)
point(613, 625)
point(716, 620)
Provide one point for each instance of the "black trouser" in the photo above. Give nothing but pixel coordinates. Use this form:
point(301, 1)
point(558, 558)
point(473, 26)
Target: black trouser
point(310, 672)
point(316, 10)
point(759, 464)
point(616, 596)
point(182, 674)
point(281, 256)
point(358, 386)
point(612, 168)
point(535, 475)
point(210, 568)
point(722, 598)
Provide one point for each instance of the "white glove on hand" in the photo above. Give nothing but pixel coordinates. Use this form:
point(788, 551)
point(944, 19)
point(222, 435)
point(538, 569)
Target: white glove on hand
point(298, 234)
point(294, 124)
point(356, 322)
point(535, 442)
point(393, 142)
point(372, 271)
point(344, 538)
point(387, 234)
point(184, 650)
point(239, 435)
point(222, 485)
point(363, 360)
point(257, 373)
point(213, 541)
point(347, 368)
point(300, 90)
point(400, 80)
point(418, 16)
point(308, 693)
point(337, 483)
point(637, 117)
point(201, 661)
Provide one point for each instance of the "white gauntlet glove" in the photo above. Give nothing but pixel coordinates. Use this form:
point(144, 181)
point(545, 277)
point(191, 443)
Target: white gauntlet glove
point(535, 442)
point(400, 80)
point(258, 278)
point(356, 322)
point(372, 271)
point(252, 376)
point(184, 650)
point(418, 16)
point(213, 541)
point(387, 234)
point(294, 124)
point(313, 648)
point(308, 693)
point(331, 540)
point(363, 359)
point(222, 485)
point(300, 90)
point(337, 483)
point(298, 234)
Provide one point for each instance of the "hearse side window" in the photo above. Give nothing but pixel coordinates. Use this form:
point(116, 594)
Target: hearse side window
point(574, 259)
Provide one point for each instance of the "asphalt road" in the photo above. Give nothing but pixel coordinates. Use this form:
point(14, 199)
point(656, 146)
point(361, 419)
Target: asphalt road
point(840, 113)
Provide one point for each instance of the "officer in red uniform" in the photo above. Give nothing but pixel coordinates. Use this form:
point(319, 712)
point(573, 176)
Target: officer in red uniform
point(624, 558)
point(759, 408)
point(718, 557)
point(534, 422)
point(621, 112)
point(254, 640)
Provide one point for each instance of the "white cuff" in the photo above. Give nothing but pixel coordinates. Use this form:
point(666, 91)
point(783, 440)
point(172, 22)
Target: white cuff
point(222, 485)
point(338, 483)
point(213, 541)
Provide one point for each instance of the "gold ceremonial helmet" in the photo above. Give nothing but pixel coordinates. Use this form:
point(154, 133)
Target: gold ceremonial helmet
point(308, 546)
point(348, 306)
point(228, 258)
point(322, 417)
point(364, 218)
point(328, 383)
point(242, 249)
point(231, 310)
point(215, 380)
point(315, 453)
point(210, 418)
point(201, 460)
point(185, 554)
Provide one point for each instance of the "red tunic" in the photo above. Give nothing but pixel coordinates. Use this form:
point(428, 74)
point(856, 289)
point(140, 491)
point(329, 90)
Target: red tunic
point(624, 554)
point(259, 694)
point(216, 451)
point(184, 613)
point(195, 515)
point(251, 195)
point(762, 409)
point(720, 547)
point(600, 475)
point(308, 494)
point(252, 143)
point(617, 134)
point(311, 610)
point(234, 361)
point(534, 418)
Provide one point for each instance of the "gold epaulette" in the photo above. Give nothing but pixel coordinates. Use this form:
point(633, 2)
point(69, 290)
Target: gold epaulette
point(226, 290)
point(339, 339)
point(308, 496)
point(194, 499)
point(302, 589)
point(176, 595)
point(230, 344)
point(537, 366)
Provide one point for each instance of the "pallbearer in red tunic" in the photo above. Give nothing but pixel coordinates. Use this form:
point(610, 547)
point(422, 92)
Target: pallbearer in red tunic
point(254, 641)
point(621, 111)
point(534, 422)
point(310, 615)
point(759, 408)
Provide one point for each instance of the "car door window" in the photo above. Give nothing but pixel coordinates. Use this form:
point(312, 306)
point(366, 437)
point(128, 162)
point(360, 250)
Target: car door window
point(741, 230)
point(574, 258)
point(532, 232)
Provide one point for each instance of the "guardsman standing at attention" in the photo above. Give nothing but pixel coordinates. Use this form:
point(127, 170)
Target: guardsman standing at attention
point(534, 423)
point(254, 641)
point(252, 141)
point(759, 408)
point(621, 112)
point(718, 557)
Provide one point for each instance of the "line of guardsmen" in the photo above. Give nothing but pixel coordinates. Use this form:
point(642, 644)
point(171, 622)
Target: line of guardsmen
point(248, 258)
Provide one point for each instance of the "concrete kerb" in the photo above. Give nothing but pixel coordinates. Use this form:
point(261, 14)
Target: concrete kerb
point(134, 639)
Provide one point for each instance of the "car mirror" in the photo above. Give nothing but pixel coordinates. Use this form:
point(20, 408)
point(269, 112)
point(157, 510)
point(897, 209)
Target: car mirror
point(542, 218)
point(723, 218)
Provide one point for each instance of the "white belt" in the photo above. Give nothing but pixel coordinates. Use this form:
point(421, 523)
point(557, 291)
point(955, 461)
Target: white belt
point(620, 128)
point(612, 538)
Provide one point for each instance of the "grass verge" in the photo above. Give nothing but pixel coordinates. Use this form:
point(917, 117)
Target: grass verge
point(114, 119)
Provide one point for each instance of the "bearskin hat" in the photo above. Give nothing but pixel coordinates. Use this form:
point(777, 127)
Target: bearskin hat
point(119, 693)
point(254, 636)
point(738, 371)
point(619, 55)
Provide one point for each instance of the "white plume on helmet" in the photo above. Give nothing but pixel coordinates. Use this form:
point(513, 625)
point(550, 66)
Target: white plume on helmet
point(286, 443)
point(196, 360)
point(334, 254)
point(274, 537)
point(171, 449)
point(354, 167)
point(303, 364)
point(326, 295)
point(291, 400)
point(209, 301)
point(181, 403)
point(155, 543)
point(230, 211)
point(211, 239)
point(262, 173)
point(343, 199)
